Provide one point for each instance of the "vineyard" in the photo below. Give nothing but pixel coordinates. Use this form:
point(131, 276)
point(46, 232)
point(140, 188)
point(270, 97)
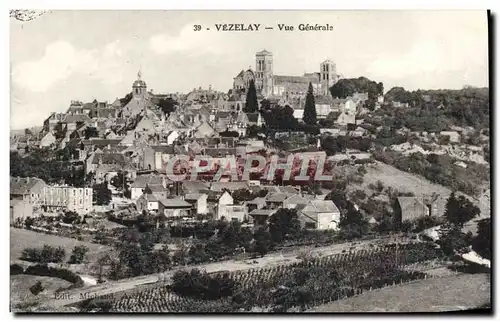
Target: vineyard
point(302, 284)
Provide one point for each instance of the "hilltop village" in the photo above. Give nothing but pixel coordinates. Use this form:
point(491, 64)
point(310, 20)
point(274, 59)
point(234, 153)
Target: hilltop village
point(407, 166)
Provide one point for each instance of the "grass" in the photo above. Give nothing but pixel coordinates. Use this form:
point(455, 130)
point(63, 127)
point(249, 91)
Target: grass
point(20, 295)
point(22, 238)
point(450, 293)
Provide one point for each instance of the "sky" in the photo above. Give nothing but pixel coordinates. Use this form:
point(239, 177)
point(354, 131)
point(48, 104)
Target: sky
point(86, 55)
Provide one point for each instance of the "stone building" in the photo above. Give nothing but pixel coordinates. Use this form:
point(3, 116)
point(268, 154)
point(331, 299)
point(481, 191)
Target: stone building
point(268, 84)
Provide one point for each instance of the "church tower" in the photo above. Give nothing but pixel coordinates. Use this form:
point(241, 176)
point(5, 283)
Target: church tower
point(264, 72)
point(139, 88)
point(328, 76)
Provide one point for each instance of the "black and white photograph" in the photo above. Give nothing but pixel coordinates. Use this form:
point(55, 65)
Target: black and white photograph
point(250, 162)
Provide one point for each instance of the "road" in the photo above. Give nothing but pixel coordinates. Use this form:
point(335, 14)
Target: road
point(273, 259)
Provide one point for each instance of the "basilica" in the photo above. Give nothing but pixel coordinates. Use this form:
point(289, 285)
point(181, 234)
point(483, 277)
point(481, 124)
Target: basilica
point(289, 87)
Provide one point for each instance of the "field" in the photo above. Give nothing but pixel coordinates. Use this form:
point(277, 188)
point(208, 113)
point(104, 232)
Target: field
point(432, 295)
point(407, 182)
point(20, 284)
point(22, 238)
point(332, 277)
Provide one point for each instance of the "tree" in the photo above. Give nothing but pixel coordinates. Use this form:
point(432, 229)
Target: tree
point(28, 222)
point(352, 223)
point(482, 242)
point(229, 134)
point(90, 132)
point(284, 224)
point(70, 217)
point(452, 240)
point(310, 107)
point(36, 288)
point(262, 241)
point(120, 181)
point(102, 195)
point(168, 105)
point(78, 254)
point(124, 101)
point(59, 131)
point(460, 210)
point(251, 104)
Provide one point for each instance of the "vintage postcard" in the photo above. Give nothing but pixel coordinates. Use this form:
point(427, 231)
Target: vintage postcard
point(249, 161)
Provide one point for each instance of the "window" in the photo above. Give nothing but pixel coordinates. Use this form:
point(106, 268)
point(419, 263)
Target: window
point(310, 225)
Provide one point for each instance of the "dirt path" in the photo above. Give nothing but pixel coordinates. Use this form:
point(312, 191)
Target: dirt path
point(274, 259)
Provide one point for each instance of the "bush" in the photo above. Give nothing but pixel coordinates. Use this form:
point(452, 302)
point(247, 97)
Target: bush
point(202, 285)
point(65, 274)
point(36, 288)
point(78, 254)
point(45, 254)
point(16, 269)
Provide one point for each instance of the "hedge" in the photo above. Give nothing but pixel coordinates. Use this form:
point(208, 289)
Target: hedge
point(16, 269)
point(65, 274)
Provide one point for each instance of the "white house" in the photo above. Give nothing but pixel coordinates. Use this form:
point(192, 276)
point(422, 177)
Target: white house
point(221, 207)
point(172, 136)
point(47, 140)
point(199, 202)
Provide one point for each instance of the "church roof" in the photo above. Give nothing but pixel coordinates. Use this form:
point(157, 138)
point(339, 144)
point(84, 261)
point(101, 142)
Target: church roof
point(240, 74)
point(139, 83)
point(264, 52)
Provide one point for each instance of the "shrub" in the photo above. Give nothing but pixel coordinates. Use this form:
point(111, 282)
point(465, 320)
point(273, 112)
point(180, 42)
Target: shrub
point(36, 288)
point(45, 254)
point(44, 270)
point(16, 269)
point(202, 285)
point(78, 254)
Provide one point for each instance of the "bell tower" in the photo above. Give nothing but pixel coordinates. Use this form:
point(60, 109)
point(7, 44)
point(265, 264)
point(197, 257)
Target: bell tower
point(139, 87)
point(264, 72)
point(328, 76)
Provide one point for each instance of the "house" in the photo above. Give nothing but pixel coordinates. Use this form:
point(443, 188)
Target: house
point(358, 132)
point(453, 135)
point(109, 158)
point(140, 183)
point(236, 212)
point(323, 104)
point(174, 208)
point(148, 202)
point(157, 156)
point(230, 186)
point(28, 189)
point(293, 201)
point(257, 203)
point(275, 200)
point(410, 209)
point(219, 202)
point(172, 136)
point(204, 131)
point(254, 119)
point(74, 121)
point(320, 215)
point(56, 198)
point(47, 140)
point(345, 118)
point(260, 216)
point(194, 186)
point(20, 210)
point(198, 201)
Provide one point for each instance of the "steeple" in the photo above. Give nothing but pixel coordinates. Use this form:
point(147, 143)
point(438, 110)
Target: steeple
point(139, 87)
